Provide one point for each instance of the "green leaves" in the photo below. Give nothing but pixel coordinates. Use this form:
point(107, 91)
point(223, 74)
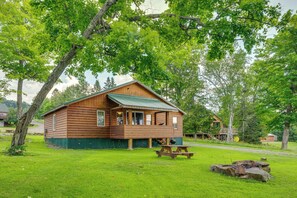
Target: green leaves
point(276, 69)
point(22, 35)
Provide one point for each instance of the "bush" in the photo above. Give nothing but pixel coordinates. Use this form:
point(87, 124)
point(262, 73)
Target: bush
point(12, 116)
point(16, 150)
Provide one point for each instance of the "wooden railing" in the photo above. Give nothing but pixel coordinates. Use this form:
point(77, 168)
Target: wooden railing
point(141, 131)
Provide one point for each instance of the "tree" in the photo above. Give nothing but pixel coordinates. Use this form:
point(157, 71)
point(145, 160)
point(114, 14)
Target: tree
point(22, 55)
point(109, 83)
point(122, 39)
point(60, 97)
point(197, 119)
point(4, 90)
point(225, 79)
point(276, 71)
point(97, 86)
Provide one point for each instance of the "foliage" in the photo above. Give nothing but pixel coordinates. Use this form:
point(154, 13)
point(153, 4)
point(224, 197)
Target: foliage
point(218, 24)
point(130, 173)
point(224, 79)
point(251, 131)
point(4, 90)
point(97, 86)
point(22, 52)
point(58, 98)
point(12, 104)
point(12, 116)
point(109, 83)
point(197, 119)
point(292, 134)
point(276, 72)
point(16, 150)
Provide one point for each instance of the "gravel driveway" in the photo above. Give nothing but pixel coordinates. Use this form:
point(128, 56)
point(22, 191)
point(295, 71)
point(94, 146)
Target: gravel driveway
point(39, 128)
point(248, 150)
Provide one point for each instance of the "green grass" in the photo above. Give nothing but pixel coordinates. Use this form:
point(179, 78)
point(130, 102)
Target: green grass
point(49, 172)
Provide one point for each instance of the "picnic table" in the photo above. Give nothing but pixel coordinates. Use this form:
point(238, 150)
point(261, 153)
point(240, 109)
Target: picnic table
point(168, 150)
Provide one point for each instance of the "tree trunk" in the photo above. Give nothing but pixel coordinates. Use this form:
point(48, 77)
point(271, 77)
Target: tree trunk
point(23, 123)
point(19, 98)
point(286, 135)
point(286, 129)
point(230, 124)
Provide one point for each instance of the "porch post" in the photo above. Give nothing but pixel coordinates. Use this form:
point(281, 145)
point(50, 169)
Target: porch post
point(130, 144)
point(167, 141)
point(150, 143)
point(130, 117)
point(167, 118)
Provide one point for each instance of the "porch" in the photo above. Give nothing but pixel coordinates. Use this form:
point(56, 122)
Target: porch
point(134, 117)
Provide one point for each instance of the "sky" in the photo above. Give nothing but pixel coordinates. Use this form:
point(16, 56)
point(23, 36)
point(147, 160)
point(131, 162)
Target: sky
point(31, 88)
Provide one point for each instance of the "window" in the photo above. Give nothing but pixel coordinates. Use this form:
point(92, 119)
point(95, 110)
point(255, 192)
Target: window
point(100, 118)
point(174, 122)
point(148, 119)
point(54, 122)
point(137, 118)
point(216, 124)
point(120, 119)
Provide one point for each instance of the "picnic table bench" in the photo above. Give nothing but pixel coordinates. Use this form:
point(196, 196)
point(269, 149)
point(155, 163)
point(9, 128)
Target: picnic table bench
point(168, 150)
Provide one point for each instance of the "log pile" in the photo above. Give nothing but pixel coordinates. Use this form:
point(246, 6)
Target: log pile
point(247, 169)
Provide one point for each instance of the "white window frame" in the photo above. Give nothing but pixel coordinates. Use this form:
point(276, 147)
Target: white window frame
point(146, 119)
point(127, 115)
point(103, 117)
point(122, 117)
point(54, 122)
point(175, 125)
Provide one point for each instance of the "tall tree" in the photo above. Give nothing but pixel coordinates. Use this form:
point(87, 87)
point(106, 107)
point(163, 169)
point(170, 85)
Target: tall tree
point(60, 97)
point(97, 86)
point(22, 55)
point(225, 79)
point(276, 70)
point(122, 38)
point(109, 83)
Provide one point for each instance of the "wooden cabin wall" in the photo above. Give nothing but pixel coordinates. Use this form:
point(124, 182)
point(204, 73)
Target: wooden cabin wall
point(102, 101)
point(61, 124)
point(179, 131)
point(82, 123)
point(161, 118)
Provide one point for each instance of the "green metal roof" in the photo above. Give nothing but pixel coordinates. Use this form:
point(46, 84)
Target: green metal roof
point(136, 102)
point(3, 108)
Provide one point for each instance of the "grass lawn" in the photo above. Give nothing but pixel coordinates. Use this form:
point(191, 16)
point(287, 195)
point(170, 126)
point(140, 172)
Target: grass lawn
point(48, 172)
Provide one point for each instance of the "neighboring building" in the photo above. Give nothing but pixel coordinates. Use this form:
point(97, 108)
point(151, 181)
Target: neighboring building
point(129, 115)
point(270, 138)
point(222, 129)
point(3, 114)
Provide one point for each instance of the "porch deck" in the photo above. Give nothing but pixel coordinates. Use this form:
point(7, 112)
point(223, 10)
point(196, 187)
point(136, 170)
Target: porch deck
point(141, 131)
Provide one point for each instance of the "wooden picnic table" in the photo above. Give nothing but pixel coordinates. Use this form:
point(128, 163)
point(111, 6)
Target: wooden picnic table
point(168, 150)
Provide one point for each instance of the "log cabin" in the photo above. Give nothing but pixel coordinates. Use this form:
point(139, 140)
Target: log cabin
point(126, 116)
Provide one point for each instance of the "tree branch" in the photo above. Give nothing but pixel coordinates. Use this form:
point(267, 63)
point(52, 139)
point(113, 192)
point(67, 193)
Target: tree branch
point(156, 16)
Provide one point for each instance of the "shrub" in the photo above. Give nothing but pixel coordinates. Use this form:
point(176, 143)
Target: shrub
point(16, 150)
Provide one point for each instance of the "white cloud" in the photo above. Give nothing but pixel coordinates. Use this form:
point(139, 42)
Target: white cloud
point(120, 79)
point(66, 82)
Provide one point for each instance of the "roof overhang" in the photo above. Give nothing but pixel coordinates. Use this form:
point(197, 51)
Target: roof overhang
point(136, 102)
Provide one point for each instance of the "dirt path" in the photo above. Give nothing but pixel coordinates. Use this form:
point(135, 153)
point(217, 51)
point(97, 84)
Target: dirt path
point(248, 150)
